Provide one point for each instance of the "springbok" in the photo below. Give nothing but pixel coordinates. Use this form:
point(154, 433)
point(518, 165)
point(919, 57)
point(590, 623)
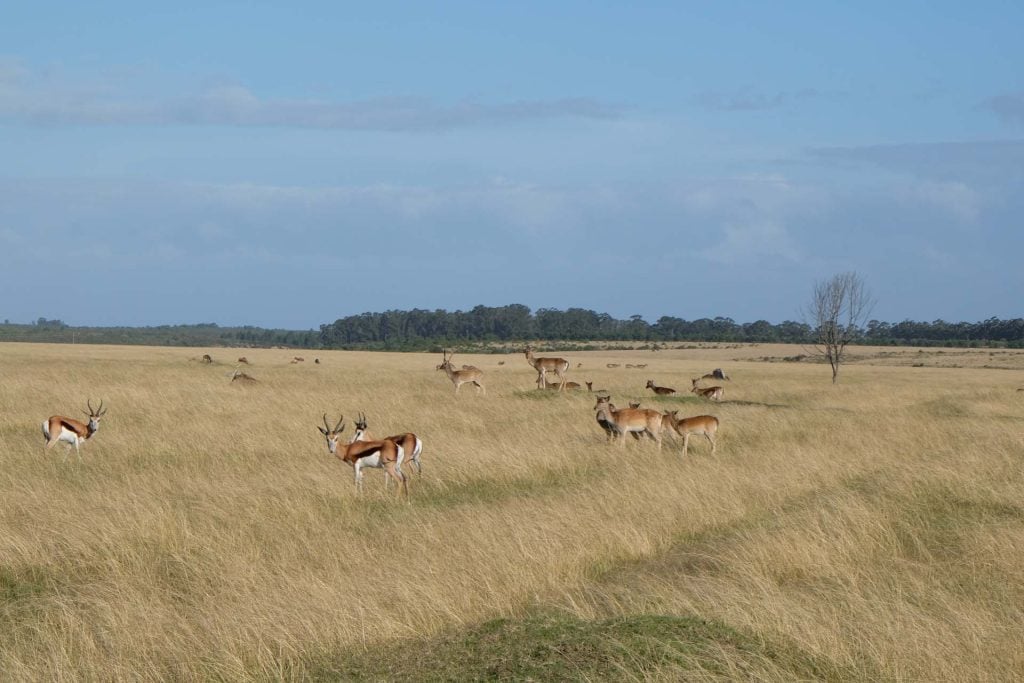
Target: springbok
point(460, 377)
point(71, 431)
point(409, 442)
point(660, 391)
point(628, 420)
point(385, 454)
point(546, 365)
point(713, 393)
point(701, 425)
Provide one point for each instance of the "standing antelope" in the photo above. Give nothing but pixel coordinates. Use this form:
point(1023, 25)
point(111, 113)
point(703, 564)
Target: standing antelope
point(706, 425)
point(380, 454)
point(628, 420)
point(460, 377)
point(71, 431)
point(546, 365)
point(409, 442)
point(713, 393)
point(660, 391)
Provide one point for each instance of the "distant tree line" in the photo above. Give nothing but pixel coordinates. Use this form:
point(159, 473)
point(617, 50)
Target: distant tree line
point(419, 329)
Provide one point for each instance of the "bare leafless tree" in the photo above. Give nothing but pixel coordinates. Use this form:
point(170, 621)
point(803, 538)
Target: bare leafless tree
point(837, 312)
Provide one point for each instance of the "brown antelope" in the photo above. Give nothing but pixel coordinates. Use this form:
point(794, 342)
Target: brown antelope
point(409, 442)
point(385, 454)
point(628, 420)
point(591, 389)
point(71, 431)
point(460, 377)
point(207, 358)
point(701, 425)
point(634, 404)
point(660, 391)
point(243, 359)
point(612, 365)
point(317, 361)
point(556, 386)
point(546, 365)
point(298, 359)
point(712, 393)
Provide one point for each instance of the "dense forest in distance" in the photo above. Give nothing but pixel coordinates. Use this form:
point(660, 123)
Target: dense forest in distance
point(419, 330)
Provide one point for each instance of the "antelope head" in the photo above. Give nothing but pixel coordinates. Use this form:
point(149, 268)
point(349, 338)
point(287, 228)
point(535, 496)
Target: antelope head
point(332, 434)
point(446, 360)
point(360, 428)
point(94, 415)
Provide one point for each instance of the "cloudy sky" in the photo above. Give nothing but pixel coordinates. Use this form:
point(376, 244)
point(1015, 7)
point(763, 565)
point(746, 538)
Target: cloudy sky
point(286, 164)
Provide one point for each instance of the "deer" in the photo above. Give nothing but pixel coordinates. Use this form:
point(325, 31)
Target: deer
point(611, 365)
point(239, 376)
point(591, 389)
point(546, 365)
point(73, 432)
point(409, 442)
point(386, 455)
point(712, 393)
point(701, 425)
point(460, 377)
point(628, 420)
point(243, 359)
point(207, 358)
point(660, 391)
point(714, 374)
point(634, 404)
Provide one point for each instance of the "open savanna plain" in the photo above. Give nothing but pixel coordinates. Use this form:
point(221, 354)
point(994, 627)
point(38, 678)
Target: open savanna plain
point(871, 530)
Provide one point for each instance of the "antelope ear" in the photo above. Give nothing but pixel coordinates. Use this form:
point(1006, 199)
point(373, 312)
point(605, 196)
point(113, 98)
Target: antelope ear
point(322, 430)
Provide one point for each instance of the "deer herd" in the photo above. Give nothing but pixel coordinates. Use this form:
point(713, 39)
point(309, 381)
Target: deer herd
point(390, 453)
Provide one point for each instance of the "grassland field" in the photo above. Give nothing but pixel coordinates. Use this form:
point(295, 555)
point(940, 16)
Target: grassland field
point(870, 530)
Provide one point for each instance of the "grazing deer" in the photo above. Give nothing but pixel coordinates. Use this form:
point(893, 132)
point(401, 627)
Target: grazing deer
point(207, 358)
point(71, 431)
point(317, 361)
point(640, 366)
point(628, 420)
point(409, 442)
point(501, 362)
point(243, 359)
point(460, 377)
point(712, 393)
point(298, 359)
point(386, 455)
point(612, 365)
point(546, 365)
point(660, 391)
point(706, 425)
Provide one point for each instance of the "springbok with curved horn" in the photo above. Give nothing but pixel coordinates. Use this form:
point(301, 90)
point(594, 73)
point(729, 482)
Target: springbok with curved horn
point(460, 377)
point(71, 431)
point(359, 454)
point(546, 365)
point(409, 442)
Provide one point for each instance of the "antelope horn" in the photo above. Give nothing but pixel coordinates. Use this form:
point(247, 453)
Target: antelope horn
point(326, 426)
point(338, 427)
point(99, 411)
point(88, 402)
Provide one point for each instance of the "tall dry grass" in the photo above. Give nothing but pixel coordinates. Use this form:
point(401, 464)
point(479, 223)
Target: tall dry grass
point(208, 533)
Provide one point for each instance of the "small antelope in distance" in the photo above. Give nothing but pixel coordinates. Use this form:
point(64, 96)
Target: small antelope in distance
point(701, 425)
point(546, 365)
point(612, 365)
point(71, 431)
point(713, 393)
point(660, 391)
point(207, 358)
point(460, 377)
point(239, 376)
point(628, 420)
point(556, 386)
point(591, 389)
point(409, 442)
point(634, 404)
point(359, 454)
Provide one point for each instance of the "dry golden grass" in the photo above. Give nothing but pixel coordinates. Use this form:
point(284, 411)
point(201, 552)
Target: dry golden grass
point(877, 524)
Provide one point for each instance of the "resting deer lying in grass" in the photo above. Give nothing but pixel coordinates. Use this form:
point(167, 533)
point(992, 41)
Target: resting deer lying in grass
point(713, 393)
point(359, 454)
point(701, 425)
point(628, 420)
point(660, 391)
point(72, 432)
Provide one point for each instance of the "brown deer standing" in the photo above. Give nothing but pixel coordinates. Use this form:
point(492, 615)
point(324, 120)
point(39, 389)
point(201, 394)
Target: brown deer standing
point(460, 377)
point(546, 365)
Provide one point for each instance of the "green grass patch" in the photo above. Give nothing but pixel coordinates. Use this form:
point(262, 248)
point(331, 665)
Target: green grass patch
point(558, 647)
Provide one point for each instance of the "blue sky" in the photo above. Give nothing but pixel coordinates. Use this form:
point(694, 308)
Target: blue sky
point(288, 164)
